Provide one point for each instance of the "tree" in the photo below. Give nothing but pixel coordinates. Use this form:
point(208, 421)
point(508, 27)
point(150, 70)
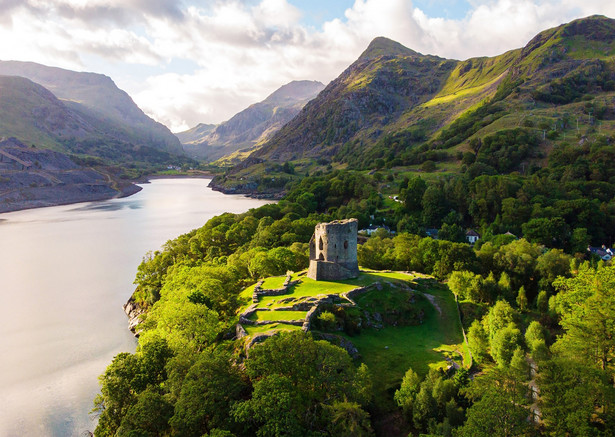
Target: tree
point(428, 166)
point(522, 299)
point(499, 316)
point(518, 259)
point(452, 232)
point(460, 283)
point(405, 395)
point(552, 232)
point(495, 415)
point(148, 417)
point(542, 302)
point(490, 288)
point(551, 265)
point(219, 433)
point(118, 393)
point(534, 332)
point(478, 341)
point(424, 407)
point(575, 399)
point(519, 366)
point(435, 206)
point(504, 344)
point(579, 240)
point(505, 286)
point(348, 419)
point(295, 378)
point(275, 408)
point(412, 196)
point(212, 384)
point(586, 304)
point(500, 406)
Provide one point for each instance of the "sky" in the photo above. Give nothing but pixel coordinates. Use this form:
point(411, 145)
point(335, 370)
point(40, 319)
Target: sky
point(186, 62)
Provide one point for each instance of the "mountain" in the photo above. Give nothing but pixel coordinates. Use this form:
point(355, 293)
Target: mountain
point(32, 177)
point(196, 134)
point(36, 116)
point(253, 125)
point(100, 103)
point(386, 81)
point(396, 108)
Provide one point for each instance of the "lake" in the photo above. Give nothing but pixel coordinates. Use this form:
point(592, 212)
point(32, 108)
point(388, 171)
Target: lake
point(65, 273)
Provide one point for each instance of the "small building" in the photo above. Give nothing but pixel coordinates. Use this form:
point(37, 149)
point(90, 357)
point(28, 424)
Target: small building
point(333, 251)
point(605, 253)
point(371, 229)
point(472, 236)
point(432, 232)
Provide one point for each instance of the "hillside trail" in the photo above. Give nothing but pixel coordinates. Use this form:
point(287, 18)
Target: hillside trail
point(432, 299)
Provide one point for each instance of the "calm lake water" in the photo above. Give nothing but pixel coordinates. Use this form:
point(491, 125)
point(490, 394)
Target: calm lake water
point(65, 273)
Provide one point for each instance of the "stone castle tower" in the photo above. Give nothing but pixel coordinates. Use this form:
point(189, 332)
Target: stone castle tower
point(333, 251)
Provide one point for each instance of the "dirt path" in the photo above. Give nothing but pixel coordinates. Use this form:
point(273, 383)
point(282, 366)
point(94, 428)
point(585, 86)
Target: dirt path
point(432, 299)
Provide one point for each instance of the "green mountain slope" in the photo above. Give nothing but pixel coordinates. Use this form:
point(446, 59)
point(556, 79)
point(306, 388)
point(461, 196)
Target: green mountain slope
point(32, 113)
point(252, 126)
point(396, 108)
point(98, 100)
point(372, 93)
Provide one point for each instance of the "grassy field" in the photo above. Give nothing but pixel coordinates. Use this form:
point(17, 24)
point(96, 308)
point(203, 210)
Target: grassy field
point(390, 351)
point(275, 327)
point(274, 282)
point(275, 316)
point(311, 288)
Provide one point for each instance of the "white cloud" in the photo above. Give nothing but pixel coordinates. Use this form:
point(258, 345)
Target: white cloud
point(245, 50)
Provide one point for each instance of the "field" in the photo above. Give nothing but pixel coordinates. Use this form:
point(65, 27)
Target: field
point(428, 334)
point(390, 351)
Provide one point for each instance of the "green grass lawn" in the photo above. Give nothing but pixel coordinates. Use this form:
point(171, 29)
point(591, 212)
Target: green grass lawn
point(252, 330)
point(274, 282)
point(278, 315)
point(389, 352)
point(311, 288)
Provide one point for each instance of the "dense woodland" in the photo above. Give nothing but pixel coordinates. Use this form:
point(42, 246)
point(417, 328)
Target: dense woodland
point(539, 300)
point(528, 164)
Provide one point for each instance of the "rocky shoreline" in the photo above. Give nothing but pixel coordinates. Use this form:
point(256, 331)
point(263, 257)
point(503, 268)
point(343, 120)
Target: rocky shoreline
point(38, 197)
point(134, 311)
point(33, 178)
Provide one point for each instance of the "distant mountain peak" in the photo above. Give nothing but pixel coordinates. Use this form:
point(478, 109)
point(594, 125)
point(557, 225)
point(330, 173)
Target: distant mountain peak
point(295, 90)
point(253, 125)
point(382, 46)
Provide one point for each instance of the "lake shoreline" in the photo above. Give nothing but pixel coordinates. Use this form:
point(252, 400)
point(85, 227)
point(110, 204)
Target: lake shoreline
point(66, 273)
point(126, 189)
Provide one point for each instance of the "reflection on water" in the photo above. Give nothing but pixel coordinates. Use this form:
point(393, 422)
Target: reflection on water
point(64, 274)
point(108, 206)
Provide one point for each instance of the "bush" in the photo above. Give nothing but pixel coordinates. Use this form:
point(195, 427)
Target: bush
point(327, 321)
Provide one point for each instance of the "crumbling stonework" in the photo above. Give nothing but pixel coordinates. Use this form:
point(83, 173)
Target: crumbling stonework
point(259, 291)
point(333, 251)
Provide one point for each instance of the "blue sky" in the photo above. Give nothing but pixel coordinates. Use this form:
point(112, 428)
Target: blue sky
point(191, 61)
point(317, 12)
